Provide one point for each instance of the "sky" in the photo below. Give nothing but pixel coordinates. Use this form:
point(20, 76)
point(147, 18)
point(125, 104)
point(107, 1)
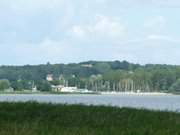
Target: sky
point(67, 31)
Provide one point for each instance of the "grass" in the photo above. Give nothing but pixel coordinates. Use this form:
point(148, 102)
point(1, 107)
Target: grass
point(49, 119)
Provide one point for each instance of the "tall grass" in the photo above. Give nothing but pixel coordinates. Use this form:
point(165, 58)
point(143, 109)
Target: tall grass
point(48, 119)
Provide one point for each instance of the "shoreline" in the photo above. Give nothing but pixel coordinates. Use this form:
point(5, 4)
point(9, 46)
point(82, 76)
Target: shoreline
point(137, 93)
point(91, 93)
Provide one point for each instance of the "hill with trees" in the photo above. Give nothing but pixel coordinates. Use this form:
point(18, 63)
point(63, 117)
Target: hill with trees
point(95, 75)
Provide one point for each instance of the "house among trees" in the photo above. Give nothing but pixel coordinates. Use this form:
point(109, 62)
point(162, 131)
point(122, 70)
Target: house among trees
point(49, 77)
point(34, 89)
point(61, 78)
point(57, 88)
point(87, 65)
point(9, 90)
point(62, 88)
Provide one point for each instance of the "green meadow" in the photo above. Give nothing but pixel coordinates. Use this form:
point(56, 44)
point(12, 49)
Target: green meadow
point(33, 118)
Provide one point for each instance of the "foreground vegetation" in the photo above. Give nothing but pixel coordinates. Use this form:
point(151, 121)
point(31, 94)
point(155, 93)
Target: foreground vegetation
point(47, 119)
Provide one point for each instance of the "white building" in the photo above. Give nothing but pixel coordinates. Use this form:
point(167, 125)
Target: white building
point(69, 89)
point(34, 89)
point(49, 77)
point(57, 88)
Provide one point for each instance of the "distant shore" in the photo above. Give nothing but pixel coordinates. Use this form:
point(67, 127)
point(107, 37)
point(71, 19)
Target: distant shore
point(98, 93)
point(136, 93)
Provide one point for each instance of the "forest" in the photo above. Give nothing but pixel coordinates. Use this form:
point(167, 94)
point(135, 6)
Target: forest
point(93, 75)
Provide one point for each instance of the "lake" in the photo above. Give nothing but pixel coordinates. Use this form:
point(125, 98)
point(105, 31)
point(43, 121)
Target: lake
point(155, 102)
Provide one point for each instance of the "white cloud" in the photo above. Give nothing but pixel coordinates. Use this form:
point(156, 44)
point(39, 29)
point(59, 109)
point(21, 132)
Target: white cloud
point(155, 25)
point(111, 26)
point(73, 27)
point(104, 26)
point(36, 5)
point(157, 21)
point(163, 38)
point(78, 31)
point(30, 5)
point(158, 37)
point(150, 3)
point(47, 50)
point(166, 3)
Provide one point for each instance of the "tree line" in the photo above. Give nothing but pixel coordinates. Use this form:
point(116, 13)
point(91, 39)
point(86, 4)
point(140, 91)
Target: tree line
point(95, 75)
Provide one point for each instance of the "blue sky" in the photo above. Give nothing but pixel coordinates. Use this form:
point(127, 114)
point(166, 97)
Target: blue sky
point(64, 31)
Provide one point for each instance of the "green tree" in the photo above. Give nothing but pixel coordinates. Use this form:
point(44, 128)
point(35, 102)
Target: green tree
point(175, 86)
point(4, 84)
point(102, 67)
point(43, 85)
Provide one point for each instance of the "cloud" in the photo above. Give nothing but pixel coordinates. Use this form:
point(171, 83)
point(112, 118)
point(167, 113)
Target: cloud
point(166, 3)
point(31, 6)
point(163, 38)
point(151, 3)
point(39, 5)
point(104, 27)
point(37, 31)
point(156, 49)
point(47, 50)
point(158, 37)
point(111, 26)
point(155, 25)
point(78, 31)
point(157, 21)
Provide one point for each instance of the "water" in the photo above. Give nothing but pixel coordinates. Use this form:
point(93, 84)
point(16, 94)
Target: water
point(162, 102)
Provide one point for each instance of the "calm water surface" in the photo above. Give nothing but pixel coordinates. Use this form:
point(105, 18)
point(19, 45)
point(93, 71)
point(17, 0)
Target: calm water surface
point(163, 102)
